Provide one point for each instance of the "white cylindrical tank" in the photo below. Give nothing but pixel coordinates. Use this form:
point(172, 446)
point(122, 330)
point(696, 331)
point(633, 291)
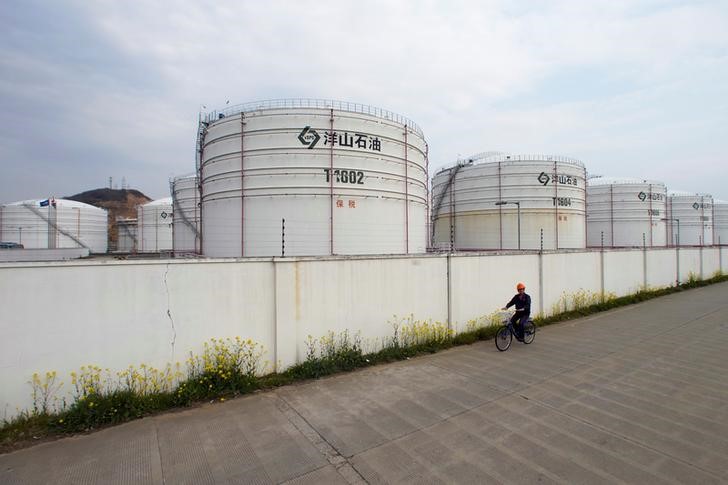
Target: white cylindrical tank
point(689, 219)
point(186, 209)
point(720, 222)
point(126, 230)
point(502, 201)
point(624, 212)
point(54, 223)
point(154, 226)
point(346, 178)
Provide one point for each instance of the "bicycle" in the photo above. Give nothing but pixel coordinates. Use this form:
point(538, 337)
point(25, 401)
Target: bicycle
point(505, 334)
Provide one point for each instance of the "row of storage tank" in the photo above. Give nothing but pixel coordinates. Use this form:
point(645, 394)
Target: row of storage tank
point(61, 223)
point(319, 177)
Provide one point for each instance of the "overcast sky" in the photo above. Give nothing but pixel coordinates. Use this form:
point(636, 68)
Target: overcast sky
point(93, 89)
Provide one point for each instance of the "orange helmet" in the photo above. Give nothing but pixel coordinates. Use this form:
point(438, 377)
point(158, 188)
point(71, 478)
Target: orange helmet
point(520, 286)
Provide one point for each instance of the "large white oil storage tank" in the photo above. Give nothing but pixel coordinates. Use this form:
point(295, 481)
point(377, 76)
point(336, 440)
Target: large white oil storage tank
point(720, 222)
point(54, 223)
point(154, 226)
point(508, 201)
point(186, 209)
point(311, 177)
point(126, 234)
point(689, 219)
point(624, 212)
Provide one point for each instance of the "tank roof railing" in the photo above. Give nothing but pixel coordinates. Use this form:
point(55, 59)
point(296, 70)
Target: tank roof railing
point(685, 193)
point(312, 103)
point(601, 181)
point(487, 157)
point(492, 157)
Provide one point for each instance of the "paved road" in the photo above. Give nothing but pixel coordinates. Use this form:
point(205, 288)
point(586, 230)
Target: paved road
point(637, 395)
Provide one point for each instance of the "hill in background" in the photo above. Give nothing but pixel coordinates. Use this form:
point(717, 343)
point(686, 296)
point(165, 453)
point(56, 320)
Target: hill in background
point(119, 203)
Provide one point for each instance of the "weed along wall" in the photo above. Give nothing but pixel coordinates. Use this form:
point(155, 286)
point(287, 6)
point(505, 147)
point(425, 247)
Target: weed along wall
point(113, 314)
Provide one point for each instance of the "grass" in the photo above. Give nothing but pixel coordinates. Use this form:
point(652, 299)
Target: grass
point(230, 367)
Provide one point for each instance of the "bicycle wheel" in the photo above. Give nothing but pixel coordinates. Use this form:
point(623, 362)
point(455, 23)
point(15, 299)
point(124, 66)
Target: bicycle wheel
point(503, 339)
point(529, 332)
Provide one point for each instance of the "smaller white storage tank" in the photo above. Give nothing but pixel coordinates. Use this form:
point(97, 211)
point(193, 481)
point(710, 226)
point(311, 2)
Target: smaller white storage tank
point(54, 223)
point(689, 219)
point(510, 201)
point(126, 230)
point(186, 209)
point(154, 226)
point(625, 212)
point(720, 222)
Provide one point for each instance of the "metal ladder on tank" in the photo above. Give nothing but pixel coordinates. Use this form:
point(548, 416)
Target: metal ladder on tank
point(176, 207)
point(438, 204)
point(55, 226)
point(129, 233)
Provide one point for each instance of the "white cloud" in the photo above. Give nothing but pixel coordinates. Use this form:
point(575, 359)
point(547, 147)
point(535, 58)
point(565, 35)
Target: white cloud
point(475, 75)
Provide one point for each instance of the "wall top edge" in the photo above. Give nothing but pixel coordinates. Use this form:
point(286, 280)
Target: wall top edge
point(278, 260)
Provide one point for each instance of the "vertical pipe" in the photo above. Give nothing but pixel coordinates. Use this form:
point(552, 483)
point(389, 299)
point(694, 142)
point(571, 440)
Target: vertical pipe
point(174, 209)
point(668, 226)
point(611, 213)
point(140, 228)
point(500, 208)
point(452, 213)
point(644, 259)
point(677, 258)
point(712, 223)
point(406, 196)
point(242, 182)
point(540, 280)
point(449, 290)
point(701, 240)
point(601, 273)
point(650, 213)
point(586, 213)
point(555, 181)
point(518, 212)
point(331, 183)
point(430, 230)
point(197, 217)
point(199, 190)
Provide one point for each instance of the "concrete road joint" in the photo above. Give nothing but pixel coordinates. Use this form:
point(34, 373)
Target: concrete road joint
point(522, 393)
point(623, 437)
point(332, 455)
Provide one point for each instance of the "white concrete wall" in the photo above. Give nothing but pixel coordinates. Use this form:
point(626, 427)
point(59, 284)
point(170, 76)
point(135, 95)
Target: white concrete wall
point(661, 268)
point(483, 284)
point(568, 273)
point(623, 272)
point(113, 314)
point(61, 315)
point(315, 296)
point(689, 264)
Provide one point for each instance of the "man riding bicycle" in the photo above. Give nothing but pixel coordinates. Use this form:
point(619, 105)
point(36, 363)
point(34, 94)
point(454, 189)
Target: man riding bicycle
point(523, 309)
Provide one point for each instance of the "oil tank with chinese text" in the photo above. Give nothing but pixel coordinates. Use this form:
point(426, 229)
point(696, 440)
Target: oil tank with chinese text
point(509, 201)
point(689, 219)
point(720, 222)
point(154, 226)
point(54, 223)
point(625, 212)
point(311, 177)
point(186, 209)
